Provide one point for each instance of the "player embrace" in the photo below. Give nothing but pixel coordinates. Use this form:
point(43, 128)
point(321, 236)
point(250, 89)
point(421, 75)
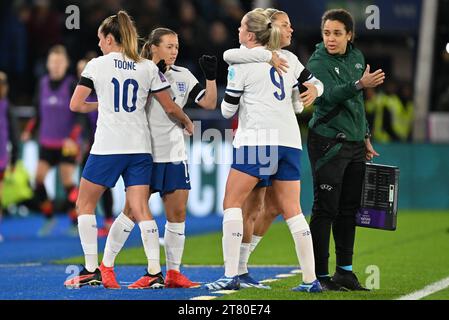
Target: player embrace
point(267, 131)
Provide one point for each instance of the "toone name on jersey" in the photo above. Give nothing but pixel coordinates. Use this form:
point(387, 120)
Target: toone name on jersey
point(125, 65)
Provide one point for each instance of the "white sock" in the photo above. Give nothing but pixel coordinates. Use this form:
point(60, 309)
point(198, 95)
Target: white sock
point(174, 239)
point(232, 238)
point(254, 242)
point(304, 247)
point(150, 239)
point(87, 229)
point(118, 234)
point(244, 257)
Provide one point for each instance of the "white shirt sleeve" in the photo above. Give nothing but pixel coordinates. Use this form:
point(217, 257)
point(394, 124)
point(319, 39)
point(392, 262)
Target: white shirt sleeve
point(158, 80)
point(298, 106)
point(235, 88)
point(89, 71)
point(244, 55)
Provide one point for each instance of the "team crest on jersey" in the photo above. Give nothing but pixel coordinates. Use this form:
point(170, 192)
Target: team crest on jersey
point(337, 70)
point(358, 66)
point(182, 87)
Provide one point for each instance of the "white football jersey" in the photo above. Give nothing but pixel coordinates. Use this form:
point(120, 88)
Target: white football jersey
point(122, 87)
point(167, 137)
point(266, 115)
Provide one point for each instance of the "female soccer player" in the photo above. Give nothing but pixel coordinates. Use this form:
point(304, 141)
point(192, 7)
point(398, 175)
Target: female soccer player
point(7, 134)
point(90, 128)
point(58, 134)
point(122, 146)
point(261, 206)
point(170, 175)
point(267, 146)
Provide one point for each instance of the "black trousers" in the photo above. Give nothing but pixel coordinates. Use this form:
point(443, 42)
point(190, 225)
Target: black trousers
point(338, 169)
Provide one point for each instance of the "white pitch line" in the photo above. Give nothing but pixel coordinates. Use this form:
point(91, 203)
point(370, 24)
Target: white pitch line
point(29, 264)
point(204, 298)
point(225, 291)
point(296, 271)
point(427, 291)
point(285, 275)
point(268, 280)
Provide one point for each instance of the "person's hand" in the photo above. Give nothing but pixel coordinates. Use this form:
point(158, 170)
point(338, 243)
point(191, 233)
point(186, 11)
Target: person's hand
point(70, 148)
point(208, 65)
point(369, 150)
point(281, 65)
point(372, 80)
point(189, 127)
point(25, 136)
point(308, 97)
point(162, 66)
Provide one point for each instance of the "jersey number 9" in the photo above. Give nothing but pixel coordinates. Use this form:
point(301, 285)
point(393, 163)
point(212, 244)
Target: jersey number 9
point(279, 84)
point(126, 84)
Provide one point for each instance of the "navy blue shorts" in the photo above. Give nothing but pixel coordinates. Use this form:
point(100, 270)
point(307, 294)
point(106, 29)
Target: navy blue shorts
point(268, 163)
point(170, 176)
point(105, 170)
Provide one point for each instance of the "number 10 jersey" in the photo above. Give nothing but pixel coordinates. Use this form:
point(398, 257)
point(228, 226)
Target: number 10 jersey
point(122, 87)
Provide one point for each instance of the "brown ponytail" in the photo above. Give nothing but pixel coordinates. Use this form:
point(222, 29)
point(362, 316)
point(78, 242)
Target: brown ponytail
point(155, 39)
point(122, 28)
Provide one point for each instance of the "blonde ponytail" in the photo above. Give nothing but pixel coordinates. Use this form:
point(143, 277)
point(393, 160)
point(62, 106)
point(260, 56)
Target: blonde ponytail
point(266, 33)
point(274, 43)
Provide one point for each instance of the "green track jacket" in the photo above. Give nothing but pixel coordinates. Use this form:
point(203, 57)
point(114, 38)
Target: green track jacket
point(341, 108)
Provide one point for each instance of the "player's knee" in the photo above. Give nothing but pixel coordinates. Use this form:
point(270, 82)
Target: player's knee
point(137, 209)
point(83, 206)
point(177, 214)
point(272, 212)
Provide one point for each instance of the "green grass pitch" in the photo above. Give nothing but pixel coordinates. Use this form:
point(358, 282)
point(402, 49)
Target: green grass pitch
point(408, 259)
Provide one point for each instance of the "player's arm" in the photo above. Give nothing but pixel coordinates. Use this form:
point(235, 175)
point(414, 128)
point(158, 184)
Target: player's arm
point(298, 106)
point(234, 90)
point(244, 55)
point(173, 110)
point(230, 103)
point(310, 87)
point(208, 65)
point(82, 91)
